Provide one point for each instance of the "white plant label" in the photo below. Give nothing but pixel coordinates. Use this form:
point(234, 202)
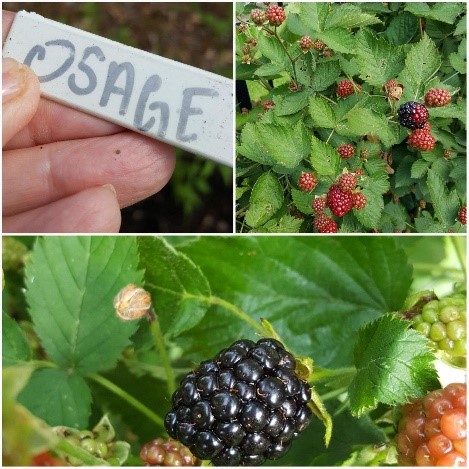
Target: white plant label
point(176, 103)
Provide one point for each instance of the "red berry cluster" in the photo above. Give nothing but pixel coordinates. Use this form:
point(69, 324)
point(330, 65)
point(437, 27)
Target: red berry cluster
point(268, 104)
point(305, 43)
point(339, 202)
point(258, 16)
point(318, 45)
point(169, 452)
point(462, 215)
point(432, 431)
point(324, 224)
point(307, 181)
point(347, 182)
point(437, 97)
point(422, 140)
point(276, 15)
point(346, 151)
point(359, 200)
point(319, 204)
point(345, 88)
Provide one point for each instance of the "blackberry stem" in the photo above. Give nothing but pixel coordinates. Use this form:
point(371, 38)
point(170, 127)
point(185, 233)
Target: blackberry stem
point(215, 300)
point(161, 347)
point(71, 450)
point(110, 386)
point(459, 253)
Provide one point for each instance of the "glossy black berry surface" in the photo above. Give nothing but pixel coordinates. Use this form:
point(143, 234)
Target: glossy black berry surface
point(243, 407)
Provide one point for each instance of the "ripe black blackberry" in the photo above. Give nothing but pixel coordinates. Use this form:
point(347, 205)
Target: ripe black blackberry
point(412, 115)
point(242, 407)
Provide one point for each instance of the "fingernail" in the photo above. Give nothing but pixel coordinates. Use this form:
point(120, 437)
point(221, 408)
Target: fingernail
point(12, 79)
point(111, 188)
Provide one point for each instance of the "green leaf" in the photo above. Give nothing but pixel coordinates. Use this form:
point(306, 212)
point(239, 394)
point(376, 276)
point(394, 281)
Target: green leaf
point(177, 285)
point(377, 59)
point(445, 203)
point(325, 75)
point(370, 215)
point(64, 398)
point(339, 39)
point(394, 365)
point(268, 70)
point(15, 346)
point(446, 12)
point(419, 169)
point(363, 121)
point(421, 63)
point(287, 146)
point(321, 112)
point(286, 224)
point(313, 15)
point(23, 434)
point(350, 16)
point(315, 291)
point(292, 103)
point(324, 157)
point(71, 283)
point(302, 200)
point(266, 199)
point(402, 28)
point(457, 111)
point(251, 147)
point(458, 63)
point(273, 50)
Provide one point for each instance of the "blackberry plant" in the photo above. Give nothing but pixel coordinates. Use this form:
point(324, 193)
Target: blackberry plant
point(379, 89)
point(287, 351)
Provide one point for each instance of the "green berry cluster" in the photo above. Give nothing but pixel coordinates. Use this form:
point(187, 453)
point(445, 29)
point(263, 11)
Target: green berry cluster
point(13, 254)
point(443, 321)
point(99, 443)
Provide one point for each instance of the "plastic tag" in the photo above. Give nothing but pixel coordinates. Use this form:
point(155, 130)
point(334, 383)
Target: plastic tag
point(176, 103)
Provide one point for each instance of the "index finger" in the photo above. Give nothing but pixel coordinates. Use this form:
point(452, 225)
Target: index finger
point(55, 122)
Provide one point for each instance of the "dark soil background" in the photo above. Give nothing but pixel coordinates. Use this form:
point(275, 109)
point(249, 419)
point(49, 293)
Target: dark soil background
point(199, 198)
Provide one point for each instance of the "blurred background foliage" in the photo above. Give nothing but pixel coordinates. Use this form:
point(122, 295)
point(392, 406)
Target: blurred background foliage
point(199, 198)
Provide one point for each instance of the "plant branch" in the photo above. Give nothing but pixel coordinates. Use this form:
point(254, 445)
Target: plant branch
point(110, 386)
point(161, 347)
point(65, 446)
point(460, 255)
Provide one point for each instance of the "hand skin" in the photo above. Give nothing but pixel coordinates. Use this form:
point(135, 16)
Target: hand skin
point(65, 171)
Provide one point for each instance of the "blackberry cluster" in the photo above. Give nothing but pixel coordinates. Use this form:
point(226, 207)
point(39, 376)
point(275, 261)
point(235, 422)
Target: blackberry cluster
point(242, 407)
point(432, 430)
point(339, 202)
point(412, 115)
point(444, 323)
point(159, 452)
point(324, 224)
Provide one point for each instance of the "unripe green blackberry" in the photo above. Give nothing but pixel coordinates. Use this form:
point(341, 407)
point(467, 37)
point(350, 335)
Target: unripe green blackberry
point(443, 322)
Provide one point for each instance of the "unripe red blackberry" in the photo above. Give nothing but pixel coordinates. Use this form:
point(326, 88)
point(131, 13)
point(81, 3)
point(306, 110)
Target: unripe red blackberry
point(305, 43)
point(258, 16)
point(359, 200)
point(347, 182)
point(319, 204)
point(345, 88)
point(307, 181)
point(422, 140)
point(359, 171)
point(437, 97)
point(432, 430)
point(339, 202)
point(268, 105)
point(390, 84)
point(242, 407)
point(324, 224)
point(318, 45)
point(412, 115)
point(276, 15)
point(462, 215)
point(169, 452)
point(346, 151)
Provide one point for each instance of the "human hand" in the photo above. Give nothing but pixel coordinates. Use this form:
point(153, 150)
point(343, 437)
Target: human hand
point(64, 170)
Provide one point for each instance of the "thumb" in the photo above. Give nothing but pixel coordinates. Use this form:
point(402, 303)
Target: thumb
point(20, 97)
